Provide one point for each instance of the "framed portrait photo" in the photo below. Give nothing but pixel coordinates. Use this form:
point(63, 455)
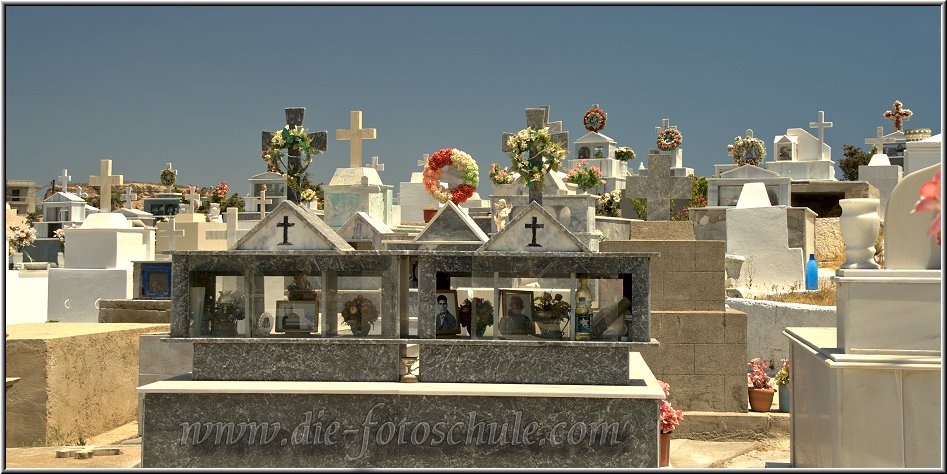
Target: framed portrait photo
point(297, 316)
point(445, 313)
point(516, 313)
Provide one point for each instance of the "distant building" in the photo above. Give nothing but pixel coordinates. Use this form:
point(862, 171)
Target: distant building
point(21, 195)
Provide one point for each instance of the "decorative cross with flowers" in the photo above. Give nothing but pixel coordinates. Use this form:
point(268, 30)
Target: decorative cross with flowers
point(897, 114)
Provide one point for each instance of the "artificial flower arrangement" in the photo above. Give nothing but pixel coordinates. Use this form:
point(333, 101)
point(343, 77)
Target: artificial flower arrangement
point(782, 377)
point(624, 153)
point(168, 177)
point(359, 314)
point(294, 138)
point(500, 175)
point(484, 309)
point(930, 201)
point(557, 307)
point(669, 139)
point(594, 119)
point(219, 192)
point(308, 195)
point(469, 176)
point(748, 150)
point(609, 204)
point(60, 234)
point(585, 176)
point(539, 143)
point(21, 237)
point(670, 417)
point(757, 375)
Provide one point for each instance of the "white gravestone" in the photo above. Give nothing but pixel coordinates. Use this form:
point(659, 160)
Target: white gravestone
point(801, 156)
point(881, 174)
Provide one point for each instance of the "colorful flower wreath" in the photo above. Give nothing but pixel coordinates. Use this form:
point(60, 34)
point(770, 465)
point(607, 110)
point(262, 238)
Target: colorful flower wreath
point(539, 141)
point(669, 139)
point(594, 119)
point(470, 175)
point(748, 150)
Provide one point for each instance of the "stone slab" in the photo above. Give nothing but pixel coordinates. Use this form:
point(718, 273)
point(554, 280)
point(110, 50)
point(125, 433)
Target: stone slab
point(441, 425)
point(360, 360)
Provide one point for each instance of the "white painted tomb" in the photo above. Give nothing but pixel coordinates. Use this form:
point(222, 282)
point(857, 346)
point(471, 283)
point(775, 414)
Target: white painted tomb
point(599, 150)
point(757, 231)
point(98, 265)
point(867, 394)
point(275, 189)
point(60, 210)
point(801, 156)
point(413, 198)
point(725, 190)
point(923, 153)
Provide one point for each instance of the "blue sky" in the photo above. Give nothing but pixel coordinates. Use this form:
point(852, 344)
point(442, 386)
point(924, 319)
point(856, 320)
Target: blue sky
point(195, 85)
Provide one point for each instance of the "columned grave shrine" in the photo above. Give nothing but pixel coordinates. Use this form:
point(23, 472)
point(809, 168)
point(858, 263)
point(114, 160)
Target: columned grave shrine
point(320, 361)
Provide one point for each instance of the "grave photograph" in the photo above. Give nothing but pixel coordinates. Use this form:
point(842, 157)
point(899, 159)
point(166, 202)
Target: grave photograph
point(237, 286)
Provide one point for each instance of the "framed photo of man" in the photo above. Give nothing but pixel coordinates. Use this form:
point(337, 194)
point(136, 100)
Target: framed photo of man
point(297, 316)
point(445, 313)
point(516, 313)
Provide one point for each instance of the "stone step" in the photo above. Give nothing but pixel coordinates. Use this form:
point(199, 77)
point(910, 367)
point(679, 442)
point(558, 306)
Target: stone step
point(732, 426)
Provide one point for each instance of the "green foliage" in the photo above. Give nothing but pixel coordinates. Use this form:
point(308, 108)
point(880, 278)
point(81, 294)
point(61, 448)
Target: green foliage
point(854, 157)
point(233, 201)
point(640, 206)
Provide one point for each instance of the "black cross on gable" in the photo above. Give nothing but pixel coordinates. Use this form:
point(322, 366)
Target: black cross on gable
point(285, 225)
point(535, 227)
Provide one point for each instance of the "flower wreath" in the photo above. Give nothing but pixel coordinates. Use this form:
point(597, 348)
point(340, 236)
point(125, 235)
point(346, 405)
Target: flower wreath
point(594, 119)
point(540, 141)
point(470, 175)
point(168, 178)
point(748, 150)
point(669, 139)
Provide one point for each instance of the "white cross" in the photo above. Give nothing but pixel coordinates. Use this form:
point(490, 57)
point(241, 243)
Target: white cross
point(191, 197)
point(261, 203)
point(879, 140)
point(821, 125)
point(170, 233)
point(129, 196)
point(64, 180)
point(375, 164)
point(173, 171)
point(423, 163)
point(105, 181)
point(665, 123)
point(355, 134)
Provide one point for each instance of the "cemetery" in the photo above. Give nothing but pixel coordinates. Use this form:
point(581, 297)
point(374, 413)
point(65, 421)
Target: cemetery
point(551, 321)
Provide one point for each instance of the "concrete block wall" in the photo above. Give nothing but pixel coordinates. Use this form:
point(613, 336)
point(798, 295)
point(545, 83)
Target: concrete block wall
point(76, 380)
point(702, 354)
point(766, 320)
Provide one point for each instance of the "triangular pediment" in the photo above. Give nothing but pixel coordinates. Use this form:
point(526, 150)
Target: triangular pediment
point(61, 196)
point(362, 227)
point(594, 137)
point(268, 176)
point(785, 139)
point(533, 229)
point(749, 171)
point(451, 224)
point(290, 227)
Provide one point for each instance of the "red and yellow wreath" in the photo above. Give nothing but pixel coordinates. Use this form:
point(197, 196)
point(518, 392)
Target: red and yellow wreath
point(464, 163)
point(669, 139)
point(594, 119)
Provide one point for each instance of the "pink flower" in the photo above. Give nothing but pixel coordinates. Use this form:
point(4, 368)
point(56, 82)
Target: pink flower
point(930, 201)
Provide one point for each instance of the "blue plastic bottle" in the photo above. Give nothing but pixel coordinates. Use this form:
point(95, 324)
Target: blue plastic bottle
point(812, 273)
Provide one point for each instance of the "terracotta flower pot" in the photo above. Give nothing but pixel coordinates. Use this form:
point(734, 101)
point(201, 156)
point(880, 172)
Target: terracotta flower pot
point(761, 399)
point(429, 214)
point(665, 451)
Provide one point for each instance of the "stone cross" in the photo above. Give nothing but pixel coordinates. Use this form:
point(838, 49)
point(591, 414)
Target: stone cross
point(537, 118)
point(658, 187)
point(128, 197)
point(821, 125)
point(175, 173)
point(193, 198)
point(64, 180)
point(665, 123)
point(170, 233)
point(261, 202)
point(285, 225)
point(896, 115)
point(105, 181)
point(355, 134)
point(534, 226)
point(294, 117)
point(375, 164)
point(423, 163)
point(879, 140)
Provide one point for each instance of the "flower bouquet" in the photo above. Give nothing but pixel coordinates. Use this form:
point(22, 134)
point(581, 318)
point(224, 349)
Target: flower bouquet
point(585, 176)
point(668, 421)
point(624, 153)
point(21, 237)
point(761, 388)
point(549, 312)
point(359, 314)
point(484, 312)
point(500, 175)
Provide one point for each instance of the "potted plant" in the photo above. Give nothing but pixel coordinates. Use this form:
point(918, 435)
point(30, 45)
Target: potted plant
point(359, 314)
point(669, 419)
point(20, 237)
point(549, 313)
point(584, 176)
point(609, 204)
point(761, 387)
point(782, 381)
point(484, 315)
point(624, 153)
